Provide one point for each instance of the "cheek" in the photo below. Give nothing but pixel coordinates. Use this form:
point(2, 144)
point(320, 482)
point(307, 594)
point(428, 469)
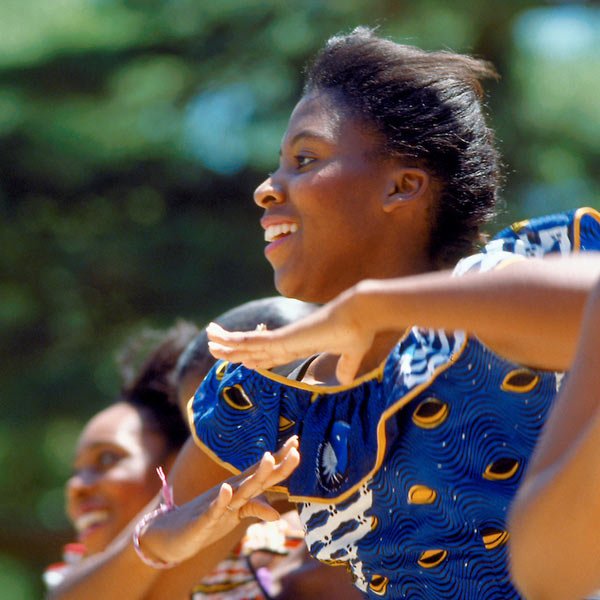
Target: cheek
point(338, 195)
point(130, 488)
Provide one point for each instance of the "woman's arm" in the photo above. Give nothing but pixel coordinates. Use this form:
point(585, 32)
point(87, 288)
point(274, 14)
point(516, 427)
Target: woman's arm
point(514, 310)
point(555, 519)
point(118, 573)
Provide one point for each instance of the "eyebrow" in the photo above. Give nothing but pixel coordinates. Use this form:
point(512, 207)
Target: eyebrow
point(102, 444)
point(309, 135)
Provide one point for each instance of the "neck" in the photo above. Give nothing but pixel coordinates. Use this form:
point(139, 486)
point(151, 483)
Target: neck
point(382, 345)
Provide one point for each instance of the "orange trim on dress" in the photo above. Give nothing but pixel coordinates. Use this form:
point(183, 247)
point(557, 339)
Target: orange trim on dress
point(381, 439)
point(579, 214)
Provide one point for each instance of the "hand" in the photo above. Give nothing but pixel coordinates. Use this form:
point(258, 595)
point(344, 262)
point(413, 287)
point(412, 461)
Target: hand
point(339, 327)
point(180, 534)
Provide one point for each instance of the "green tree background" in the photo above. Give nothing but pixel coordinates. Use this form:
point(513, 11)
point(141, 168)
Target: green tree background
point(132, 134)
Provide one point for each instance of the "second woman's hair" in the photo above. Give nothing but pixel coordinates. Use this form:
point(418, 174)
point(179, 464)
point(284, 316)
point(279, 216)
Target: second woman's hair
point(150, 386)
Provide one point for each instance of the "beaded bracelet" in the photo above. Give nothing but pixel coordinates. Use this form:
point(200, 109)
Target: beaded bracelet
point(168, 506)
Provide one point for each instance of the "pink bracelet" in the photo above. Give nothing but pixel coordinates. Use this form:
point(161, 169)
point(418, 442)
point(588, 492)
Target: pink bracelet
point(168, 506)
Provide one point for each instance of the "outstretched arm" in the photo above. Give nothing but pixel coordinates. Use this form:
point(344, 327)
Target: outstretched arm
point(178, 535)
point(556, 516)
point(119, 574)
point(514, 310)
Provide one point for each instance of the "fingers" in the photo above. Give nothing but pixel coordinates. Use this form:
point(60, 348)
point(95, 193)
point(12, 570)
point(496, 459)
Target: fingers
point(254, 484)
point(259, 509)
point(268, 473)
point(217, 334)
point(291, 442)
point(255, 349)
point(223, 341)
point(347, 367)
point(219, 505)
point(235, 354)
point(285, 468)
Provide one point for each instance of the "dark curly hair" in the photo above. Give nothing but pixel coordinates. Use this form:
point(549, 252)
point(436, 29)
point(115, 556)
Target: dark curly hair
point(149, 385)
point(427, 109)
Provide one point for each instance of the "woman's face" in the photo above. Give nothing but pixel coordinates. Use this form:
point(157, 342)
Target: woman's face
point(323, 214)
point(114, 475)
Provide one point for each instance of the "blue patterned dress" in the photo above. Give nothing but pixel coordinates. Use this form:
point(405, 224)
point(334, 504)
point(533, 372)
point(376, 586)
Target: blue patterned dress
point(406, 475)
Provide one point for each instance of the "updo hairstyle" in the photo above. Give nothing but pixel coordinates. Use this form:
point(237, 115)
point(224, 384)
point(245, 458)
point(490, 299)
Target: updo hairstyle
point(427, 109)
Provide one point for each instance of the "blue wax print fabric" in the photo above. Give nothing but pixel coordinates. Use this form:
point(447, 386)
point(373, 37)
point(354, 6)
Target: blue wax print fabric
point(406, 476)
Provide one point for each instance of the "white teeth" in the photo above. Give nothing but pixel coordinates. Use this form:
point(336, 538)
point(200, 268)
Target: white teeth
point(90, 518)
point(272, 232)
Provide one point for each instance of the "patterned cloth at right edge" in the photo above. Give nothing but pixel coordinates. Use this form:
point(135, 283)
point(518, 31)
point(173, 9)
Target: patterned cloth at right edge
point(407, 475)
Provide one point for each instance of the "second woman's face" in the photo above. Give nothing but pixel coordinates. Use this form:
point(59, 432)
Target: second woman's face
point(114, 475)
point(323, 214)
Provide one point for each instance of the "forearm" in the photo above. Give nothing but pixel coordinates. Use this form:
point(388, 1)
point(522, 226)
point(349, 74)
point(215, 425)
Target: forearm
point(116, 573)
point(528, 312)
point(553, 528)
point(119, 574)
point(559, 502)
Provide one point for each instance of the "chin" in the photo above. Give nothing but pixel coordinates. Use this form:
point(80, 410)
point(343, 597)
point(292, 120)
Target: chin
point(296, 290)
point(309, 290)
point(95, 545)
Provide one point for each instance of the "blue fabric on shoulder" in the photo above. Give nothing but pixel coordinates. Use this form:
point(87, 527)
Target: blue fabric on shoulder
point(571, 231)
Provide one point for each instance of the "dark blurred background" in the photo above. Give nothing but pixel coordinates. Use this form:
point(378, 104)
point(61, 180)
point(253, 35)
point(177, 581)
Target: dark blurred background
point(132, 134)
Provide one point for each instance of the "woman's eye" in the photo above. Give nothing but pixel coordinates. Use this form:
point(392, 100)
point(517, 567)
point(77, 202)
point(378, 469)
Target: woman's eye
point(303, 161)
point(107, 459)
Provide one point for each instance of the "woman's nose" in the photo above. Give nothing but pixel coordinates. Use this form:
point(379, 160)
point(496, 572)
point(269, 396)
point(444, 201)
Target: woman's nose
point(80, 483)
point(269, 192)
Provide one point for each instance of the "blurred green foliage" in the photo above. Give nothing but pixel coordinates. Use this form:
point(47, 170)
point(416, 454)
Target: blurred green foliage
point(132, 133)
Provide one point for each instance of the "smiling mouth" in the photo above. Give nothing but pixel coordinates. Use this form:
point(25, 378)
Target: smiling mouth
point(276, 232)
point(91, 519)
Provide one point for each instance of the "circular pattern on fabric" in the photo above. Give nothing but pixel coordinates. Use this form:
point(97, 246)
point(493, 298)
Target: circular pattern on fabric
point(432, 558)
point(520, 381)
point(379, 584)
point(493, 537)
point(501, 469)
point(285, 423)
point(430, 413)
point(421, 494)
point(236, 397)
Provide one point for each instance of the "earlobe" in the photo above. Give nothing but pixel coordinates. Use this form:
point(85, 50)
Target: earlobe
point(408, 184)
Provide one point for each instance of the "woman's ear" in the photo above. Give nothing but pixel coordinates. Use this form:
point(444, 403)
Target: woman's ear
point(407, 184)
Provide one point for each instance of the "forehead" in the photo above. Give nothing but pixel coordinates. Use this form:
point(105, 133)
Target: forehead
point(317, 113)
point(323, 117)
point(120, 424)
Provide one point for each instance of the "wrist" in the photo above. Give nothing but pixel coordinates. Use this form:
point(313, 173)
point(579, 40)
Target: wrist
point(147, 519)
point(140, 529)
